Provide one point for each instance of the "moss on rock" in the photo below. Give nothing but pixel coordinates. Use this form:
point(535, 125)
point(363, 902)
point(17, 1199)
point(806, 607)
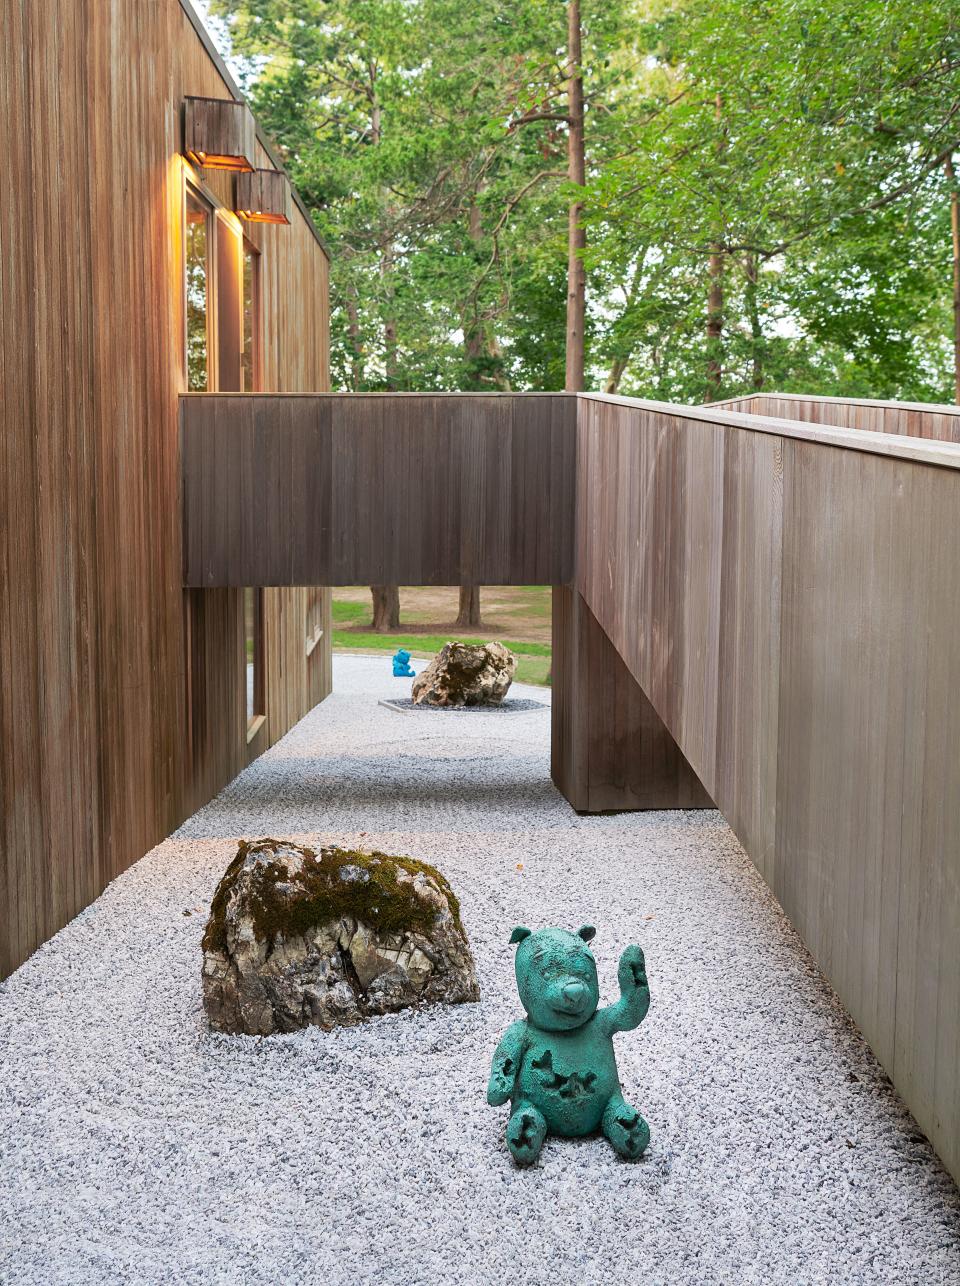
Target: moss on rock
point(336, 883)
point(329, 937)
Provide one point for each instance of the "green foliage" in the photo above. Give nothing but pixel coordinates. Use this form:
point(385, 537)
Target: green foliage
point(789, 153)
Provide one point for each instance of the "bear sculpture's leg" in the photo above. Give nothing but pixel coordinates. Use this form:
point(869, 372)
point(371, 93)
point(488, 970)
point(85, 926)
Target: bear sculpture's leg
point(625, 1128)
point(526, 1131)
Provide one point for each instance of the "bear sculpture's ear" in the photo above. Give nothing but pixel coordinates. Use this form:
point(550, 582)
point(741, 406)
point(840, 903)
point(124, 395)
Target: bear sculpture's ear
point(586, 931)
point(519, 934)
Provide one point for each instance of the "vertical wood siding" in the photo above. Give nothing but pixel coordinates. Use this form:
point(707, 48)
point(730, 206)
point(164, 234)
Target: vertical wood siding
point(792, 610)
point(393, 489)
point(98, 757)
point(915, 420)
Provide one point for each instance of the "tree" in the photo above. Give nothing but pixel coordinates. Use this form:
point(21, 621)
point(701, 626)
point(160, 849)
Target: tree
point(730, 153)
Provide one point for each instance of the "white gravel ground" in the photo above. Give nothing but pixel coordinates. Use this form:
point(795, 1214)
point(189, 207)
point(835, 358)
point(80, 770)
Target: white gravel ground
point(137, 1147)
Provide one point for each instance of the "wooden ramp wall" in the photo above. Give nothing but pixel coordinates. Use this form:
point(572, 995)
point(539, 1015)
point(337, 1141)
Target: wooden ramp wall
point(912, 419)
point(788, 598)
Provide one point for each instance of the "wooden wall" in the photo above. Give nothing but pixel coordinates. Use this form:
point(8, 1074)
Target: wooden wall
point(98, 757)
point(609, 749)
point(791, 607)
point(913, 419)
point(369, 489)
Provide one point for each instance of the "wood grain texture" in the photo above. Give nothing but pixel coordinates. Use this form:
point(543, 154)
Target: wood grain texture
point(792, 611)
point(940, 423)
point(218, 131)
point(100, 753)
point(609, 747)
point(378, 489)
point(264, 196)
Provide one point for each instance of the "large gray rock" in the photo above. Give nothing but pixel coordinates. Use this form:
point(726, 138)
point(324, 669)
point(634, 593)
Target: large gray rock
point(466, 674)
point(298, 938)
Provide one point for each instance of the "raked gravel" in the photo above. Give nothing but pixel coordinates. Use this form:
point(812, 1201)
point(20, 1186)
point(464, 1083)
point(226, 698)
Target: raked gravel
point(137, 1147)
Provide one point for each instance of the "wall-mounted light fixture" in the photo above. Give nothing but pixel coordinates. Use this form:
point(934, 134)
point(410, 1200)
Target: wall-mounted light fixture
point(219, 134)
point(264, 197)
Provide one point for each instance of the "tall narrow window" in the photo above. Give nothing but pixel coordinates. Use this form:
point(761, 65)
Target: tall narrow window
point(251, 319)
point(253, 648)
point(314, 614)
point(197, 247)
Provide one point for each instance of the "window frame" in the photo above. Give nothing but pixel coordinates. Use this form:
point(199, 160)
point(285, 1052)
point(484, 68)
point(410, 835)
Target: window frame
point(256, 717)
point(203, 199)
point(253, 254)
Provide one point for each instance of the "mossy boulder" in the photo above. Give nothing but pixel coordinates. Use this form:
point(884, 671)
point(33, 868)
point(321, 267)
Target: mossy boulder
point(466, 674)
point(299, 938)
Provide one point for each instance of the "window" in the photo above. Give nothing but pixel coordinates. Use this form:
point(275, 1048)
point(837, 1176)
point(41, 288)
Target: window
point(253, 651)
point(250, 362)
point(314, 617)
point(197, 276)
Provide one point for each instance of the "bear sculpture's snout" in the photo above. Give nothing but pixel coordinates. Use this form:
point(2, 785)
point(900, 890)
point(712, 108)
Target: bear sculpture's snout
point(574, 996)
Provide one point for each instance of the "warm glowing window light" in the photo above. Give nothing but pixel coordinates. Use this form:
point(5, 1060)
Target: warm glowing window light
point(219, 134)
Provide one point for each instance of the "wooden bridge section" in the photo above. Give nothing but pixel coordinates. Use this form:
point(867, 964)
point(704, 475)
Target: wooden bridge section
point(754, 611)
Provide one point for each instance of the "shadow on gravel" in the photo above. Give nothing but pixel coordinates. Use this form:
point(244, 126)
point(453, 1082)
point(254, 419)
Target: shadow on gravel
point(318, 794)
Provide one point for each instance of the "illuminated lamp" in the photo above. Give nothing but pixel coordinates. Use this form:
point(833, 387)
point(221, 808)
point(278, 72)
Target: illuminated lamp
point(219, 134)
point(264, 197)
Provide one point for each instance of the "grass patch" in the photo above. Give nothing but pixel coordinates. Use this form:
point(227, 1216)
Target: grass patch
point(533, 659)
point(349, 612)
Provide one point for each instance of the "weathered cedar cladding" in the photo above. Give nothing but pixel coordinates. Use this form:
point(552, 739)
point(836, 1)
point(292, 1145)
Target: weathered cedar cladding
point(264, 196)
point(100, 754)
point(219, 133)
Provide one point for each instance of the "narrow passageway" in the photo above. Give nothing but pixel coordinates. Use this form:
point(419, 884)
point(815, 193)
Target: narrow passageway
point(140, 1147)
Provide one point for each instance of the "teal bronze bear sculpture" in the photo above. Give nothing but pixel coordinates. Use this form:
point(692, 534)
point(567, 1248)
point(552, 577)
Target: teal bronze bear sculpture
point(557, 1066)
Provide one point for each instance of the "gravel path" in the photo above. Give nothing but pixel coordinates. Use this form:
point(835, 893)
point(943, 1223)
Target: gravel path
point(137, 1147)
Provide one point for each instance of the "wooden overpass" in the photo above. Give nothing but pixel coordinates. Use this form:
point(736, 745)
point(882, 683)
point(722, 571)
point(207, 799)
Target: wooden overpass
point(749, 610)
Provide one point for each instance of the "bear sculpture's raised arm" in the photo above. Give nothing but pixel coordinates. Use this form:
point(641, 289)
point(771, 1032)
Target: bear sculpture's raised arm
point(631, 1009)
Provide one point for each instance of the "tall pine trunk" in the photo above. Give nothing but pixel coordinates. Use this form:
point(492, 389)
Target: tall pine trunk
point(751, 272)
point(715, 325)
point(576, 233)
point(715, 267)
point(386, 598)
point(955, 231)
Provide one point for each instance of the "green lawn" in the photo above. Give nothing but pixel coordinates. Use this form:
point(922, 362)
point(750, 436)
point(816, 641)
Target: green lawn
point(533, 659)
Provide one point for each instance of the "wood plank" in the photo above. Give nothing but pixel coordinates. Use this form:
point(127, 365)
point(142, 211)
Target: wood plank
point(444, 491)
point(804, 658)
point(96, 762)
point(609, 748)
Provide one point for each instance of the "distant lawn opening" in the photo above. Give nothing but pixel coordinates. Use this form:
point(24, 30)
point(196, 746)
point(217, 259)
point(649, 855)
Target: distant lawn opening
point(518, 616)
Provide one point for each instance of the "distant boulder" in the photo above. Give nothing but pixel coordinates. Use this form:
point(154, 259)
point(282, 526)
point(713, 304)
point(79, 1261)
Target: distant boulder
point(466, 674)
point(298, 938)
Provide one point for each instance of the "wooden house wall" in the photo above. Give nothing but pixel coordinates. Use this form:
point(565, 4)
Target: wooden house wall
point(98, 759)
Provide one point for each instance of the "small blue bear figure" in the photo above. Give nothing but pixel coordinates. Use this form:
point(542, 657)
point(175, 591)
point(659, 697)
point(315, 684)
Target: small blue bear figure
point(402, 668)
point(557, 1066)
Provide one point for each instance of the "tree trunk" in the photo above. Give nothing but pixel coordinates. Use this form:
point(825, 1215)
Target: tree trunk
point(468, 613)
point(353, 334)
point(715, 326)
point(715, 296)
point(576, 234)
point(617, 369)
point(753, 312)
point(955, 230)
point(386, 608)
